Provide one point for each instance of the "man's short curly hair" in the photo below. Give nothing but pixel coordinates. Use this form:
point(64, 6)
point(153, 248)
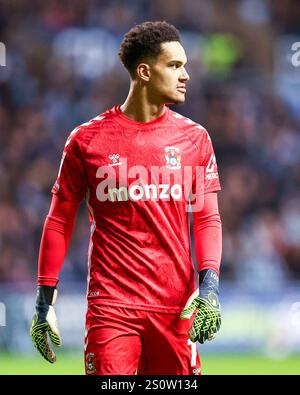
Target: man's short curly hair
point(143, 41)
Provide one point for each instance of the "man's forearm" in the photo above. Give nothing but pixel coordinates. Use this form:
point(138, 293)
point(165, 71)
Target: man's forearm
point(55, 240)
point(208, 235)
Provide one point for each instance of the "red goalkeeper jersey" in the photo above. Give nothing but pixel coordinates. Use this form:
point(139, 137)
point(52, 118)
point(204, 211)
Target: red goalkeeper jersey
point(137, 179)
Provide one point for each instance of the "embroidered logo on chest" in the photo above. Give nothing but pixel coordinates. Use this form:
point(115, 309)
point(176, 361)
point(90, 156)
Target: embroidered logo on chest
point(173, 158)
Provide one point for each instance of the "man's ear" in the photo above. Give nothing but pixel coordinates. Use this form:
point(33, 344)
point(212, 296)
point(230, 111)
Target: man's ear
point(143, 72)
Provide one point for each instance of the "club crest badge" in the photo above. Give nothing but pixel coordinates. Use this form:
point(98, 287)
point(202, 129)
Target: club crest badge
point(90, 363)
point(173, 158)
point(197, 371)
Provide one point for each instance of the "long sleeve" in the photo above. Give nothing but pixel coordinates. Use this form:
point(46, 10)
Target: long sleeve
point(208, 234)
point(55, 239)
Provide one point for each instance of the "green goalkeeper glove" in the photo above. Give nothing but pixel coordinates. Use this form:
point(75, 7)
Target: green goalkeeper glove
point(207, 320)
point(44, 322)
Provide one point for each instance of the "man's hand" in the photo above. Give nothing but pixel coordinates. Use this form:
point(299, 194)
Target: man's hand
point(207, 320)
point(44, 322)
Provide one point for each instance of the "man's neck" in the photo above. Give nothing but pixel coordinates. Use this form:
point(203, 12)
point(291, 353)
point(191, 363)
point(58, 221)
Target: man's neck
point(138, 107)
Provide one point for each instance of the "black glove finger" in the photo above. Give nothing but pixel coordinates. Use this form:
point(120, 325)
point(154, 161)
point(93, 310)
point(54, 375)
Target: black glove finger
point(211, 336)
point(218, 323)
point(48, 354)
point(200, 340)
point(214, 327)
point(194, 334)
point(46, 351)
point(38, 336)
point(203, 337)
point(54, 338)
point(40, 341)
point(205, 324)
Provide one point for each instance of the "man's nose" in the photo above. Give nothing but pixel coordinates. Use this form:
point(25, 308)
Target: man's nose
point(184, 76)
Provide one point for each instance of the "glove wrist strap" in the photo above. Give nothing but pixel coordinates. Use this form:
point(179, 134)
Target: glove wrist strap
point(209, 277)
point(46, 294)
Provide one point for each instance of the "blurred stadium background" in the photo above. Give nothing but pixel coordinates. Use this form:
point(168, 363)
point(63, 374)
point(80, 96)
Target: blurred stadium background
point(62, 69)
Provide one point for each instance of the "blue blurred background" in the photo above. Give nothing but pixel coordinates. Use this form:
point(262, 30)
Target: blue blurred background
point(62, 69)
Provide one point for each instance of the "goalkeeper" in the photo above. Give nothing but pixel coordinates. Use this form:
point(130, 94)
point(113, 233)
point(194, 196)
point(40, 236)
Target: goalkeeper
point(137, 166)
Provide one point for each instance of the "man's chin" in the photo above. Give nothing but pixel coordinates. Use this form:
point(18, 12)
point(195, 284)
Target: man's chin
point(177, 100)
point(181, 101)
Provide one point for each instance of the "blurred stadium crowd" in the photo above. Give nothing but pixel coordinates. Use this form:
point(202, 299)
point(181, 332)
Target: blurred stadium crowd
point(62, 69)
